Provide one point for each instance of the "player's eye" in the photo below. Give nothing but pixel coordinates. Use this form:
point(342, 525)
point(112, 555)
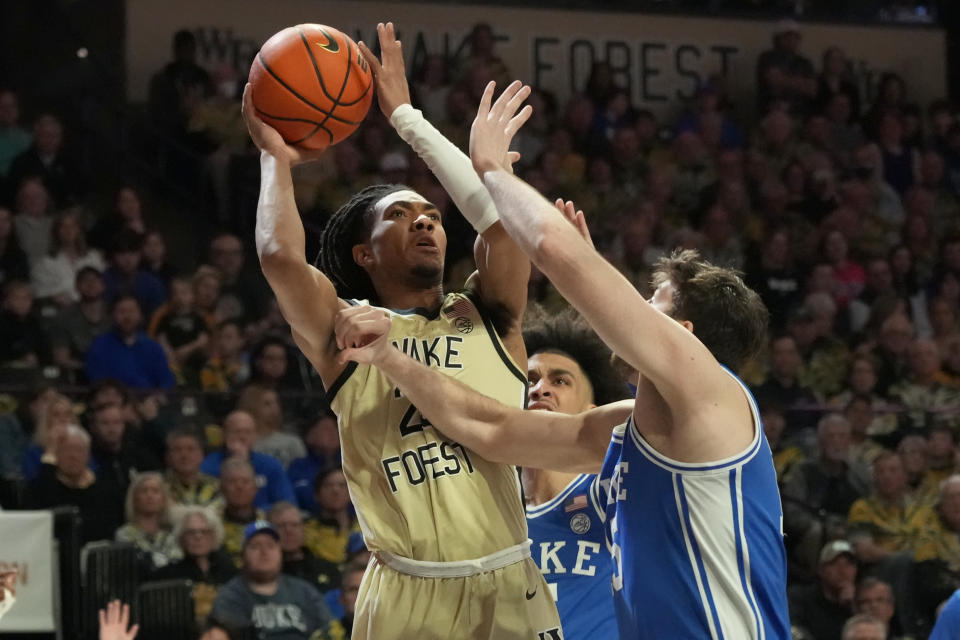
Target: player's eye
point(398, 213)
point(435, 216)
point(561, 380)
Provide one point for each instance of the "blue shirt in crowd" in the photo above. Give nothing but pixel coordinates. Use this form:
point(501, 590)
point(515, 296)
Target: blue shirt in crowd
point(272, 483)
point(302, 473)
point(141, 365)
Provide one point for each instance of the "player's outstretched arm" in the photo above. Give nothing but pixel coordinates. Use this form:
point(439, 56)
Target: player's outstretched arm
point(307, 298)
point(502, 268)
point(540, 439)
point(645, 338)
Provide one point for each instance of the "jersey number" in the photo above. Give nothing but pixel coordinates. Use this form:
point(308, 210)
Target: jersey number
point(412, 422)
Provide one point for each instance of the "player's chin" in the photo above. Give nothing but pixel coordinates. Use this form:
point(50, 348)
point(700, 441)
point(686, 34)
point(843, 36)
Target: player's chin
point(428, 270)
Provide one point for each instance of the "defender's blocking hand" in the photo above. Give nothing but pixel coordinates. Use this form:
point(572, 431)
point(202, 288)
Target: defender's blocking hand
point(495, 125)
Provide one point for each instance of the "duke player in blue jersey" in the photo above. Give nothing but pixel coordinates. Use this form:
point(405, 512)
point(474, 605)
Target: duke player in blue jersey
point(687, 483)
point(569, 372)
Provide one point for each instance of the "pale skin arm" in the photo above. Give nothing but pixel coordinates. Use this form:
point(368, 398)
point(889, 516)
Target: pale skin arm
point(507, 435)
point(696, 389)
point(307, 299)
point(502, 268)
point(650, 341)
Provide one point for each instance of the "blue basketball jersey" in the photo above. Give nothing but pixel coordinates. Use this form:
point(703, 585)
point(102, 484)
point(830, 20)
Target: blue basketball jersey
point(697, 548)
point(569, 546)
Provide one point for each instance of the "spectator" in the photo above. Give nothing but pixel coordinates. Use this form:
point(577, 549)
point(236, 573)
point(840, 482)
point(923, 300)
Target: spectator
point(125, 219)
point(901, 162)
point(924, 393)
point(239, 488)
point(350, 589)
point(55, 415)
point(206, 293)
point(48, 160)
point(721, 245)
point(117, 452)
point(775, 278)
point(783, 75)
point(877, 282)
point(54, 276)
point(298, 560)
point(125, 277)
point(155, 258)
point(823, 607)
point(239, 437)
point(875, 598)
point(264, 405)
point(893, 343)
point(848, 275)
point(941, 455)
point(182, 332)
point(286, 606)
point(149, 524)
point(864, 627)
point(126, 353)
point(889, 520)
point(227, 368)
point(71, 482)
point(783, 387)
point(818, 493)
point(863, 449)
point(836, 78)
point(943, 322)
point(14, 139)
point(891, 98)
point(269, 361)
point(33, 223)
point(25, 343)
point(242, 294)
point(938, 553)
point(913, 449)
point(13, 261)
point(323, 450)
point(199, 533)
point(78, 324)
point(784, 455)
point(328, 532)
point(188, 485)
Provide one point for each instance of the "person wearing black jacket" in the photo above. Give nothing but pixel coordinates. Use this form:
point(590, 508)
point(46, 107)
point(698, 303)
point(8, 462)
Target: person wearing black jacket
point(71, 482)
point(117, 453)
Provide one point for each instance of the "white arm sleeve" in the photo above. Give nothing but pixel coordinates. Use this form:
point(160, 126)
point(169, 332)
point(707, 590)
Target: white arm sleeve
point(451, 166)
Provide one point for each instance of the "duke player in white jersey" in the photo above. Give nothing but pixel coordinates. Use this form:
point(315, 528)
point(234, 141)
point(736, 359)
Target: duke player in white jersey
point(688, 488)
point(569, 371)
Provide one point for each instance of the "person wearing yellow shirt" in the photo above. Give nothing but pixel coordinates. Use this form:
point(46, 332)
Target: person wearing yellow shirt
point(889, 520)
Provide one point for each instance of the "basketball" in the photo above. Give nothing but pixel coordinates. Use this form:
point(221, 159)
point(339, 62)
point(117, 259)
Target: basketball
point(311, 83)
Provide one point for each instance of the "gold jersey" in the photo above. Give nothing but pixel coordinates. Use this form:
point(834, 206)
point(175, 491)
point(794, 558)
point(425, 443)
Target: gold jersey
point(419, 494)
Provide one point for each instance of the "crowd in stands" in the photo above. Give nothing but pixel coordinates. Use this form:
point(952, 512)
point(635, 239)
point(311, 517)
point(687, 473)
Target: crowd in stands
point(169, 403)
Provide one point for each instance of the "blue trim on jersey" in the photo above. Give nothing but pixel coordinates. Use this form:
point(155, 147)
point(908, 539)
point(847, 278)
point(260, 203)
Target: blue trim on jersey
point(687, 467)
point(698, 557)
point(742, 553)
point(540, 509)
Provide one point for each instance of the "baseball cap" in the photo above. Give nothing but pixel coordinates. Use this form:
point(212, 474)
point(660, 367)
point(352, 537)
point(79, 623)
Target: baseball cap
point(786, 26)
point(257, 527)
point(833, 550)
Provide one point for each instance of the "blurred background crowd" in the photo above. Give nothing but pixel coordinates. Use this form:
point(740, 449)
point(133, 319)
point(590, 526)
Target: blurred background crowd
point(136, 357)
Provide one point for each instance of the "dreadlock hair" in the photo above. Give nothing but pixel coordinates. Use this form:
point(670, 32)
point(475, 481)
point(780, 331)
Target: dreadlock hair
point(568, 334)
point(728, 316)
point(348, 226)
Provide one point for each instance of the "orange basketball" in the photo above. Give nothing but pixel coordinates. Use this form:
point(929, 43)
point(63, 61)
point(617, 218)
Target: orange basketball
point(311, 84)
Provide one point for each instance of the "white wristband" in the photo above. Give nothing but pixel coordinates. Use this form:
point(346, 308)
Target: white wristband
point(449, 164)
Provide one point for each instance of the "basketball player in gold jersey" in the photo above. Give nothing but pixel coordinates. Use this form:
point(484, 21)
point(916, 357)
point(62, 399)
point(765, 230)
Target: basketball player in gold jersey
point(450, 554)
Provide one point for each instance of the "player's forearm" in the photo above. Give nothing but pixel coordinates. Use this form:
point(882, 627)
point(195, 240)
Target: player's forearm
point(449, 164)
point(456, 410)
point(526, 215)
point(279, 230)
